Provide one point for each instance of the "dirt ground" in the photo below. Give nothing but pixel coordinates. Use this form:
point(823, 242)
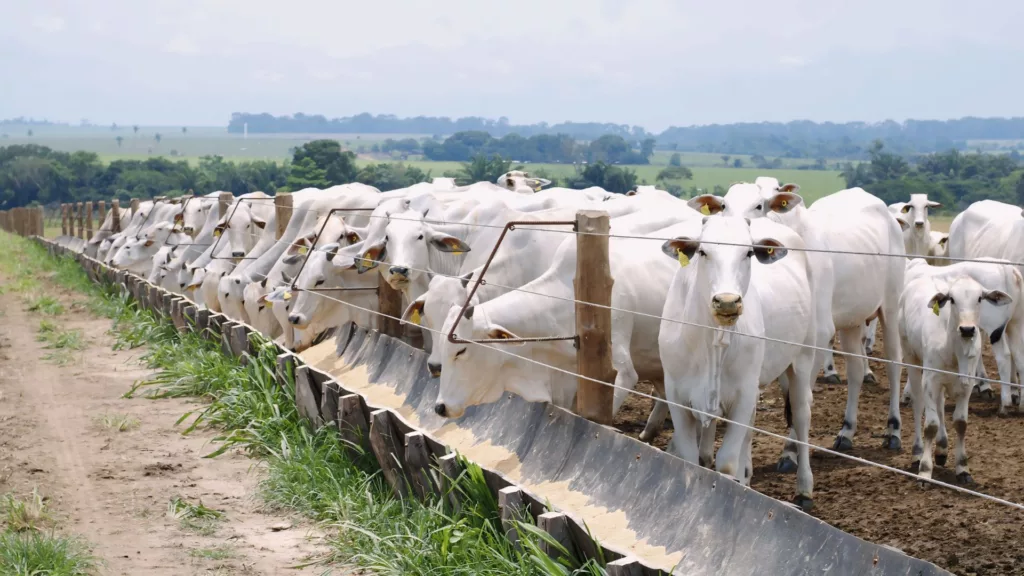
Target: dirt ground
point(958, 532)
point(113, 488)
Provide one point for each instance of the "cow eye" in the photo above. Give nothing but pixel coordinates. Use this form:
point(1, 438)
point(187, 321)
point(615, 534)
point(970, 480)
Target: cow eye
point(460, 352)
point(951, 301)
point(980, 299)
point(702, 253)
point(420, 237)
point(319, 282)
point(759, 207)
point(749, 254)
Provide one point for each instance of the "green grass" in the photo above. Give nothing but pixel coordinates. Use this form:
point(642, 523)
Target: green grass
point(219, 553)
point(195, 518)
point(45, 304)
point(118, 422)
point(30, 546)
point(63, 343)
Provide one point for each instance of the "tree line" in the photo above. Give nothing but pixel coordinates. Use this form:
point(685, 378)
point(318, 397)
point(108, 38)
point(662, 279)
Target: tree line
point(797, 139)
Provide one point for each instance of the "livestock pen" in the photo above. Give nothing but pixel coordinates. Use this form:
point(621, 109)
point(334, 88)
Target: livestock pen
point(650, 510)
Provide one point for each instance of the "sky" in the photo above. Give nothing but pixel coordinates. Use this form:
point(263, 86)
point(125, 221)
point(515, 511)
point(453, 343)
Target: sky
point(654, 63)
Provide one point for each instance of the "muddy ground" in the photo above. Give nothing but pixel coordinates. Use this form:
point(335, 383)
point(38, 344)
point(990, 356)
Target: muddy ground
point(112, 488)
point(961, 533)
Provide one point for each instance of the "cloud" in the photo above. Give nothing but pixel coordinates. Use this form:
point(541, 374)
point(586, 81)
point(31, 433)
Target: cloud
point(183, 45)
point(49, 24)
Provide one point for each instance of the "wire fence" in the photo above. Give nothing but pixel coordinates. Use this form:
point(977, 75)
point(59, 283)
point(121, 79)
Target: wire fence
point(483, 281)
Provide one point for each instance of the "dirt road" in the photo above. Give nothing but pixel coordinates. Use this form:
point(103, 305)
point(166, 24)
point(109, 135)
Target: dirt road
point(59, 434)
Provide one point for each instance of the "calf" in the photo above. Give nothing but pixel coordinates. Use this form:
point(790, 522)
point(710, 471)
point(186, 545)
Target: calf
point(939, 321)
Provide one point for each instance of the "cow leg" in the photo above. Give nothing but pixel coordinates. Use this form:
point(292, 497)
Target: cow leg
point(824, 332)
point(626, 377)
point(983, 386)
point(706, 450)
point(746, 457)
point(868, 339)
point(830, 376)
point(1004, 361)
point(800, 396)
point(849, 338)
point(788, 461)
point(891, 334)
point(932, 418)
point(728, 460)
point(656, 420)
point(684, 439)
point(963, 473)
point(914, 382)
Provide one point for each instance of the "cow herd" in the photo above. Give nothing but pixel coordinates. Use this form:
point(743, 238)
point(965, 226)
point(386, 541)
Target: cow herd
point(713, 298)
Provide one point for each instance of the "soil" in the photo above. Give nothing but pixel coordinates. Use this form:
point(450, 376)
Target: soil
point(113, 488)
point(961, 533)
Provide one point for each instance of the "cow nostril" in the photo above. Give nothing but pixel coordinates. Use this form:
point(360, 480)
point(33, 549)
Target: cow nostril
point(399, 270)
point(967, 331)
point(237, 254)
point(919, 224)
point(435, 369)
point(294, 318)
point(440, 409)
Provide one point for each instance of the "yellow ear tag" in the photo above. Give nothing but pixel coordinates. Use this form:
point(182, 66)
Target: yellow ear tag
point(287, 296)
point(415, 317)
point(705, 211)
point(784, 203)
point(935, 308)
point(216, 233)
point(303, 249)
point(770, 251)
point(268, 303)
point(684, 261)
point(457, 252)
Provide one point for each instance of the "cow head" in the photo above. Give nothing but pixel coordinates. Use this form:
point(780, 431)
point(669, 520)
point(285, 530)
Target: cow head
point(194, 214)
point(916, 211)
point(431, 309)
point(722, 256)
point(319, 272)
point(519, 181)
point(757, 201)
point(405, 250)
point(239, 230)
point(966, 299)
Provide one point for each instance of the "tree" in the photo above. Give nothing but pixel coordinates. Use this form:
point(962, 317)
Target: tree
point(737, 163)
point(647, 148)
point(306, 174)
point(29, 133)
point(675, 160)
point(135, 128)
point(339, 166)
point(119, 140)
point(157, 137)
point(725, 159)
point(484, 169)
point(675, 173)
point(184, 130)
point(113, 127)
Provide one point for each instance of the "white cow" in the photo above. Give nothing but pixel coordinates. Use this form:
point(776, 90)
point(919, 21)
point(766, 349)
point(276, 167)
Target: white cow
point(717, 372)
point(137, 255)
point(521, 182)
point(939, 320)
point(106, 230)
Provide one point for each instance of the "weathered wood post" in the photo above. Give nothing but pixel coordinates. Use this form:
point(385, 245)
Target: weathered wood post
point(40, 218)
point(101, 206)
point(628, 566)
point(135, 206)
point(115, 215)
point(593, 284)
point(283, 207)
point(88, 220)
point(223, 201)
point(389, 303)
point(81, 220)
point(64, 219)
point(19, 221)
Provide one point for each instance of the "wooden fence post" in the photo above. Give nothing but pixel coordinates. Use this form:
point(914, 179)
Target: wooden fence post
point(64, 219)
point(40, 218)
point(19, 221)
point(135, 206)
point(88, 220)
point(283, 206)
point(389, 303)
point(223, 201)
point(102, 207)
point(115, 215)
point(593, 284)
point(81, 220)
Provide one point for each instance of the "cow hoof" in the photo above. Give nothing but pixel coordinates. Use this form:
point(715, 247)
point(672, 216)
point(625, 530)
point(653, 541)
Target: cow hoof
point(869, 378)
point(1015, 399)
point(892, 443)
point(905, 401)
point(786, 465)
point(940, 459)
point(831, 379)
point(701, 461)
point(987, 394)
point(915, 466)
point(804, 502)
point(964, 478)
point(645, 437)
point(843, 444)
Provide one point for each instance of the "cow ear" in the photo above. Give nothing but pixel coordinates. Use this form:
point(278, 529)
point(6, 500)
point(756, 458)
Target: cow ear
point(944, 240)
point(681, 249)
point(997, 297)
point(465, 279)
point(292, 259)
point(498, 333)
point(933, 204)
point(263, 283)
point(451, 244)
point(938, 301)
point(707, 204)
point(414, 313)
point(301, 246)
point(768, 250)
point(904, 225)
point(371, 257)
point(178, 218)
point(352, 237)
point(331, 250)
point(792, 188)
point(259, 223)
point(631, 192)
point(783, 202)
point(287, 279)
point(148, 243)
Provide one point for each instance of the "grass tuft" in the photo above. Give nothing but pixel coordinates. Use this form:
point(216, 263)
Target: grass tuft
point(22, 516)
point(45, 304)
point(118, 422)
point(44, 554)
point(219, 553)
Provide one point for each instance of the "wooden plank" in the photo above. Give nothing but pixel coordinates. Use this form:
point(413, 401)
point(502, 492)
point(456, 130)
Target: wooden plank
point(167, 301)
point(555, 525)
point(285, 369)
point(81, 220)
point(64, 219)
point(419, 467)
point(389, 302)
point(628, 566)
point(353, 423)
point(115, 216)
point(223, 201)
point(512, 509)
point(88, 220)
point(101, 208)
point(188, 313)
point(449, 470)
point(384, 441)
point(283, 209)
point(305, 400)
point(593, 284)
point(134, 204)
point(225, 337)
point(240, 341)
point(330, 391)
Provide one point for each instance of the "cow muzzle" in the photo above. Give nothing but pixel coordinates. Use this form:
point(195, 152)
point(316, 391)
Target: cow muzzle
point(435, 369)
point(298, 320)
point(726, 308)
point(967, 332)
point(919, 224)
